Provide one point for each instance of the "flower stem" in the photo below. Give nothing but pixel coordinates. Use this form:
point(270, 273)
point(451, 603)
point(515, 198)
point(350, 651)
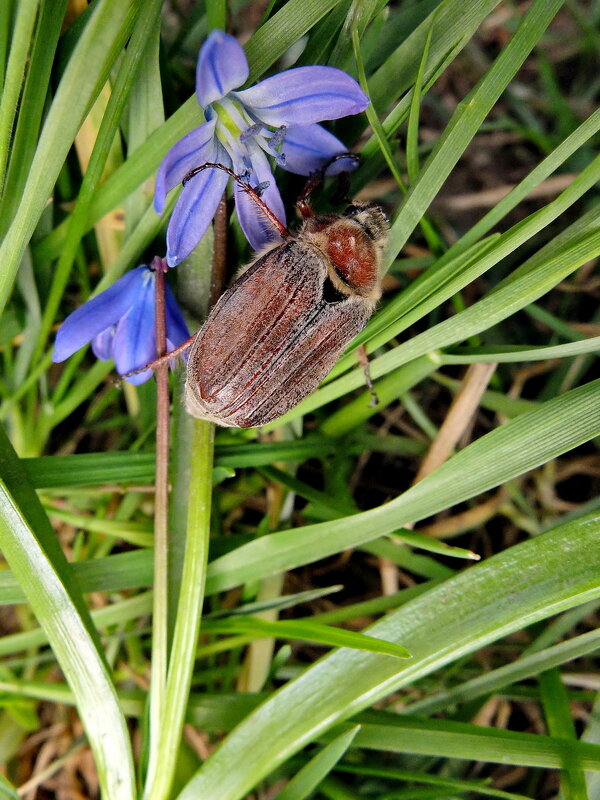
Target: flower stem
point(217, 280)
point(166, 738)
point(158, 679)
point(187, 625)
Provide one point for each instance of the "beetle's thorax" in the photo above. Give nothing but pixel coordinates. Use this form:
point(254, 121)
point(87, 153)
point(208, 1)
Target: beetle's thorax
point(352, 246)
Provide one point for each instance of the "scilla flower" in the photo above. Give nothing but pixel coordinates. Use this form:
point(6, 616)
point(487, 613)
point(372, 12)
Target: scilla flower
point(119, 322)
point(275, 117)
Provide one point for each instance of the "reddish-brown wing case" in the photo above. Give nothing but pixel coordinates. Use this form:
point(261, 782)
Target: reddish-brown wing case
point(271, 338)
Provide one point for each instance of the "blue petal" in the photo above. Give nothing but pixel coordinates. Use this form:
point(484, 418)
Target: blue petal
point(222, 66)
point(257, 228)
point(97, 314)
point(177, 330)
point(134, 343)
point(194, 149)
point(193, 213)
point(307, 148)
point(304, 95)
point(102, 345)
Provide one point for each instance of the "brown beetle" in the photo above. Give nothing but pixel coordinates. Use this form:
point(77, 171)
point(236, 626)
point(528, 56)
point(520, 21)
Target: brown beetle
point(276, 333)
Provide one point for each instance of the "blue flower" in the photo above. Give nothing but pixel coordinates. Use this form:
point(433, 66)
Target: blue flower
point(119, 322)
point(277, 116)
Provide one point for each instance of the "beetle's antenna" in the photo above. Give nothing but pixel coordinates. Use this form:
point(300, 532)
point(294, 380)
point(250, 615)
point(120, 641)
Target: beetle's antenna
point(303, 203)
point(363, 360)
point(163, 359)
point(253, 193)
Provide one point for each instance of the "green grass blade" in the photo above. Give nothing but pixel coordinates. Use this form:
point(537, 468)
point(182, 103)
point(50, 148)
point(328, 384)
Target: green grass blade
point(131, 570)
point(114, 614)
point(557, 710)
point(216, 14)
point(145, 114)
point(307, 631)
point(94, 469)
point(83, 665)
point(7, 789)
point(311, 774)
point(426, 778)
point(510, 353)
point(43, 51)
point(279, 32)
point(276, 603)
point(90, 469)
point(491, 599)
point(384, 146)
point(446, 739)
point(412, 132)
point(27, 11)
point(526, 667)
point(137, 533)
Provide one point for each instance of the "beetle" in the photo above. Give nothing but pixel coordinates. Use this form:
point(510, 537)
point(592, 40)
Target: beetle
point(275, 334)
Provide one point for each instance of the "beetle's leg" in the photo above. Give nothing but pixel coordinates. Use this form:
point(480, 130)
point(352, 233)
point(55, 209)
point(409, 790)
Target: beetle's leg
point(163, 359)
point(253, 193)
point(303, 203)
point(363, 359)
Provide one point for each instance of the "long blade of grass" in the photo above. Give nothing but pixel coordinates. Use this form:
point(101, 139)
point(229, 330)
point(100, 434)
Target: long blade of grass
point(428, 231)
point(412, 131)
point(460, 740)
point(131, 570)
point(25, 137)
point(93, 469)
point(27, 11)
point(311, 774)
point(511, 353)
point(427, 779)
point(557, 710)
point(498, 679)
point(115, 614)
point(308, 631)
point(41, 569)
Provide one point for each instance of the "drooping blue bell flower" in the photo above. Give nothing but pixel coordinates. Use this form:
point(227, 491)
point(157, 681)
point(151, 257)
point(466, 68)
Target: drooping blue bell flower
point(119, 322)
point(276, 117)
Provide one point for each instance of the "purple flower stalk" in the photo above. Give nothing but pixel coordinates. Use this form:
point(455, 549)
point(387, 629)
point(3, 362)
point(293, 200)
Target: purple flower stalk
point(275, 117)
point(119, 322)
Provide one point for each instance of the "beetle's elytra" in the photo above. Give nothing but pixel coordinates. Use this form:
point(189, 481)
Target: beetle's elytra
point(280, 328)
